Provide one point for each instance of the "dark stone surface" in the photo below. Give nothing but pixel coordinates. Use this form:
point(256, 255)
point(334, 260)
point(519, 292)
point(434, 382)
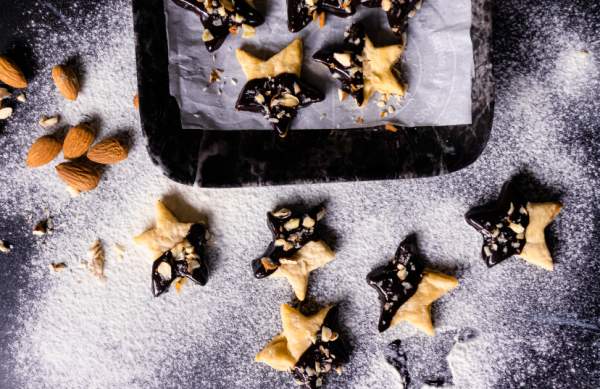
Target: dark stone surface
point(240, 158)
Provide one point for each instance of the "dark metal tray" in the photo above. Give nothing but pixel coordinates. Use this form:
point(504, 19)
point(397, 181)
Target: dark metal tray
point(213, 158)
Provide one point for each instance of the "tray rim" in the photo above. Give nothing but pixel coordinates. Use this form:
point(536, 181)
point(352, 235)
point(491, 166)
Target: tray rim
point(188, 156)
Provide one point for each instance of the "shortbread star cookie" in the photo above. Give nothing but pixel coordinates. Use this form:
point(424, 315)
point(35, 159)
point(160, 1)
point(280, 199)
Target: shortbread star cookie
point(222, 17)
point(514, 226)
point(398, 11)
point(295, 251)
point(274, 87)
point(407, 290)
point(309, 347)
point(177, 250)
point(362, 68)
point(302, 12)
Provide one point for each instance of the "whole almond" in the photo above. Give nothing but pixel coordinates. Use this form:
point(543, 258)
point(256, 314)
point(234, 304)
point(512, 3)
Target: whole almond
point(66, 81)
point(78, 141)
point(108, 151)
point(11, 75)
point(78, 175)
point(43, 150)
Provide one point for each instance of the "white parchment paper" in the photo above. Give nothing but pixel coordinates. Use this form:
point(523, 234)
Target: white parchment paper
point(437, 63)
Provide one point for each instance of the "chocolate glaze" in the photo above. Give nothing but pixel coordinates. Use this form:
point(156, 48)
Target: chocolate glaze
point(302, 12)
point(220, 17)
point(179, 264)
point(502, 225)
point(398, 13)
point(286, 241)
point(397, 281)
point(278, 99)
point(322, 357)
point(350, 75)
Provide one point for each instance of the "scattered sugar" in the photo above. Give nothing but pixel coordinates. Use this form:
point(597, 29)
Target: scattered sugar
point(73, 331)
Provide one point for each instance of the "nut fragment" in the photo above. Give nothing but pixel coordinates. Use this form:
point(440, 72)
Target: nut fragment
point(96, 255)
point(4, 247)
point(78, 141)
point(49, 121)
point(136, 101)
point(164, 269)
point(390, 127)
point(343, 58)
point(10, 74)
point(57, 267)
point(66, 81)
point(5, 113)
point(308, 222)
point(21, 98)
point(292, 224)
point(42, 228)
point(42, 151)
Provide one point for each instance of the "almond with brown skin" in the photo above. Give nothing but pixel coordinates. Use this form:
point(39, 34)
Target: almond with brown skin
point(11, 75)
point(78, 141)
point(66, 81)
point(108, 151)
point(78, 175)
point(43, 150)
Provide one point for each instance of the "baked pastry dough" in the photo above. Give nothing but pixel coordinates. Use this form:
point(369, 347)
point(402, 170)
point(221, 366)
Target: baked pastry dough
point(513, 226)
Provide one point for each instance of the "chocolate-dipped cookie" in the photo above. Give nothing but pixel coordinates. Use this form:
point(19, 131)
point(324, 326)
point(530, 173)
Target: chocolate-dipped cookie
point(296, 249)
point(398, 11)
point(407, 290)
point(177, 249)
point(362, 68)
point(221, 18)
point(274, 87)
point(302, 12)
point(309, 347)
point(514, 226)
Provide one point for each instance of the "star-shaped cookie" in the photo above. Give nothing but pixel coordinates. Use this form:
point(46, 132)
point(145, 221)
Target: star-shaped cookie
point(362, 68)
point(222, 17)
point(295, 250)
point(302, 12)
point(177, 249)
point(398, 11)
point(513, 226)
point(308, 347)
point(406, 290)
point(274, 87)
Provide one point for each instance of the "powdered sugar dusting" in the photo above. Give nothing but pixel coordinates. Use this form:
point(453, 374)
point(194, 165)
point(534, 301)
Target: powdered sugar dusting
point(532, 326)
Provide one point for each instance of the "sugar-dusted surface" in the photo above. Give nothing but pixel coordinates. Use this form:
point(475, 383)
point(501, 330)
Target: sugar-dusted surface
point(534, 328)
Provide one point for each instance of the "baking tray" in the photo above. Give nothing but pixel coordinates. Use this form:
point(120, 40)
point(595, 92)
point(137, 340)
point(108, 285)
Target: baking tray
point(218, 158)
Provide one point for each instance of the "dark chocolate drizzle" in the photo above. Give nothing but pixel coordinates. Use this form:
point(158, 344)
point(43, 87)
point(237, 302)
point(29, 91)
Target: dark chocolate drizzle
point(278, 99)
point(350, 75)
point(322, 357)
point(502, 225)
point(302, 12)
point(397, 281)
point(398, 13)
point(287, 241)
point(181, 263)
point(221, 17)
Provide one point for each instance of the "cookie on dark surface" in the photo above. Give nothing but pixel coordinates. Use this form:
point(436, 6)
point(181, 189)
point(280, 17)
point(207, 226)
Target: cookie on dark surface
point(309, 347)
point(514, 226)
